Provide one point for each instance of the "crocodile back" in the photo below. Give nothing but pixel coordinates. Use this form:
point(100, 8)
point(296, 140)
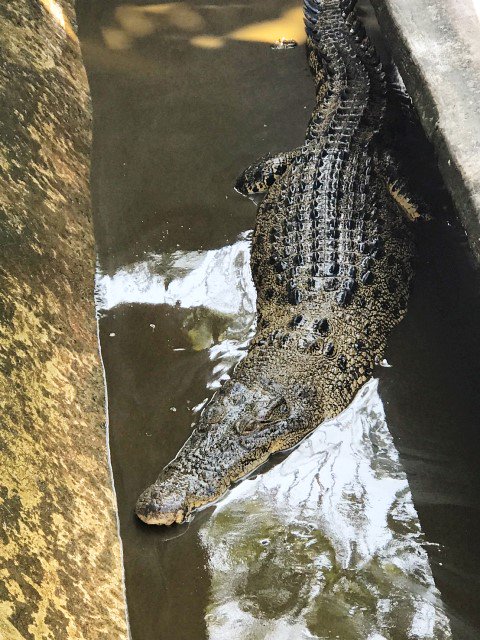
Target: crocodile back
point(329, 243)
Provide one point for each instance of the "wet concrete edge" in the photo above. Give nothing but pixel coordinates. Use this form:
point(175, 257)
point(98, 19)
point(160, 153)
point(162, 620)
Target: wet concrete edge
point(429, 51)
point(61, 570)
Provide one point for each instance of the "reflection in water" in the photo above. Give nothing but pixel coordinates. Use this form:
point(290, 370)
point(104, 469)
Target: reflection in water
point(131, 22)
point(216, 285)
point(138, 21)
point(218, 280)
point(288, 26)
point(327, 544)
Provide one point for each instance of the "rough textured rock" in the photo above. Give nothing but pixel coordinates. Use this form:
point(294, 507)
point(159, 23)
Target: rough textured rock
point(435, 46)
point(60, 557)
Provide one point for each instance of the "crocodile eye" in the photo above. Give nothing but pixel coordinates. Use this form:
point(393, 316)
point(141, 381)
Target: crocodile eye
point(278, 411)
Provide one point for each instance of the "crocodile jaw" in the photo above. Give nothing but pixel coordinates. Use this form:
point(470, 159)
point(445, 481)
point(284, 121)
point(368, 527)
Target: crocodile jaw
point(166, 519)
point(162, 505)
point(236, 434)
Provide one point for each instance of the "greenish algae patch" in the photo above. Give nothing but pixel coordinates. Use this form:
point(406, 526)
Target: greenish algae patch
point(60, 558)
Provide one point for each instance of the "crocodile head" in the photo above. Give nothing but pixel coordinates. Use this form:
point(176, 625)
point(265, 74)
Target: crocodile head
point(236, 433)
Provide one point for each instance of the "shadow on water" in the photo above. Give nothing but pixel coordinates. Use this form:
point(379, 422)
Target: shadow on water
point(186, 95)
point(432, 405)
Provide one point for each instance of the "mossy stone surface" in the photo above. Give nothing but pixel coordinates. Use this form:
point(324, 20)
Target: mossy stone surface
point(60, 558)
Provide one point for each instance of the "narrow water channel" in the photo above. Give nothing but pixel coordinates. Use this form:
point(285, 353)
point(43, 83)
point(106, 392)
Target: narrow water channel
point(369, 530)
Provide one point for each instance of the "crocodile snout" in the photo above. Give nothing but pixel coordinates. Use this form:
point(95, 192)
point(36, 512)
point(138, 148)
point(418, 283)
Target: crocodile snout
point(162, 505)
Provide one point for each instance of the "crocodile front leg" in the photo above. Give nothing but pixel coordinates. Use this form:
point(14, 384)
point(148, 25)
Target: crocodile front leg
point(262, 174)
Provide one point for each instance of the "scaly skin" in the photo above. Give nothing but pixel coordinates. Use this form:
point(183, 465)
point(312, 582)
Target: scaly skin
point(331, 261)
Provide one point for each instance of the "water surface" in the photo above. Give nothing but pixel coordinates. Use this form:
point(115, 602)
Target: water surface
point(344, 537)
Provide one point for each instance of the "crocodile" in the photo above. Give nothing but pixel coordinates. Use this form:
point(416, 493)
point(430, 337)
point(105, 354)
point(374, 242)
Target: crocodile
point(332, 263)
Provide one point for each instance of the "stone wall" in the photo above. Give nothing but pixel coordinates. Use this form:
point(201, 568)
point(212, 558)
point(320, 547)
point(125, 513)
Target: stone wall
point(435, 44)
point(60, 556)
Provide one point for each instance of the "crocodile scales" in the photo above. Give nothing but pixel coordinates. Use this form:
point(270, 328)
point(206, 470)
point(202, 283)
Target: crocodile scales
point(331, 262)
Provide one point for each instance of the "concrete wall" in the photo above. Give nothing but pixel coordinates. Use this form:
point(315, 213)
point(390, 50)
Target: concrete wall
point(60, 557)
point(436, 45)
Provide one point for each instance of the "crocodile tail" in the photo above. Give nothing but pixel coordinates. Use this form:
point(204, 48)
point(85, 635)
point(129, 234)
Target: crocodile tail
point(313, 8)
point(311, 13)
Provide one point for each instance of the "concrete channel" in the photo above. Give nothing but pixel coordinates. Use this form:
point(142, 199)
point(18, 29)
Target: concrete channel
point(436, 46)
point(61, 560)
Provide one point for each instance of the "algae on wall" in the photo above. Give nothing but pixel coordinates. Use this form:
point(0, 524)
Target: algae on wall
point(60, 558)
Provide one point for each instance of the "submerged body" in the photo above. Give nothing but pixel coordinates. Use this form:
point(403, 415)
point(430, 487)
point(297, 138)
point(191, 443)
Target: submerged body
point(331, 262)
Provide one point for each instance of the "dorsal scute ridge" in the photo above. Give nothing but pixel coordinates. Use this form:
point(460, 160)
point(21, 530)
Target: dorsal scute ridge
point(328, 198)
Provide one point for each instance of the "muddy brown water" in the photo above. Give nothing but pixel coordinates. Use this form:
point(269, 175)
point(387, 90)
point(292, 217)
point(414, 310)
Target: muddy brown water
point(179, 111)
